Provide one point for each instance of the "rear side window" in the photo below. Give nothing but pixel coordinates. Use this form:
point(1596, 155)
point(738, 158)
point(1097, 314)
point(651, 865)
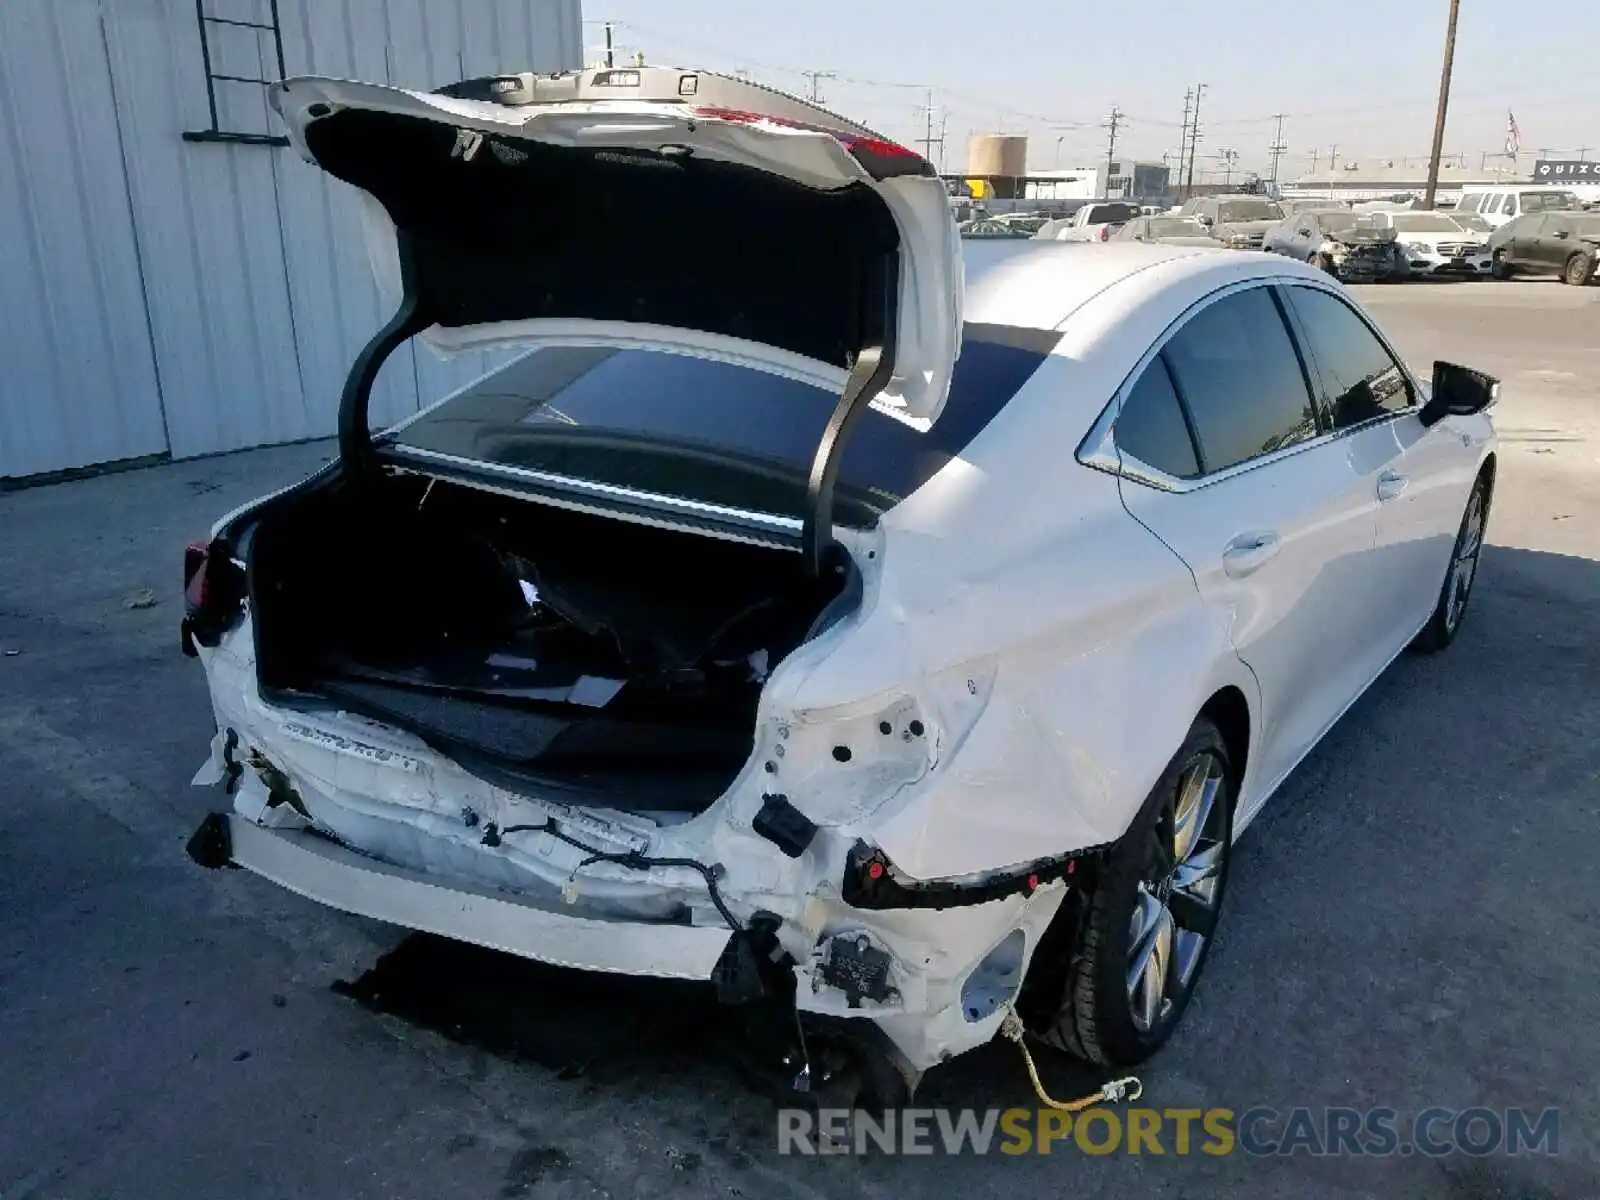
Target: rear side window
point(1360, 379)
point(1238, 373)
point(1470, 204)
point(1151, 425)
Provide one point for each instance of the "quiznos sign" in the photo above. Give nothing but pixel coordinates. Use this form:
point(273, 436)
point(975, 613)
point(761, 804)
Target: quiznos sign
point(1566, 170)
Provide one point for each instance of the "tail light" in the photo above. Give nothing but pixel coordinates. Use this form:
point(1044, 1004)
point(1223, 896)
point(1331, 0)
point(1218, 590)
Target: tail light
point(881, 158)
point(213, 594)
point(1105, 233)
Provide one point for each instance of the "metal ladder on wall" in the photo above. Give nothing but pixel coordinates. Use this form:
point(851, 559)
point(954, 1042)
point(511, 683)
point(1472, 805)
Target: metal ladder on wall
point(207, 23)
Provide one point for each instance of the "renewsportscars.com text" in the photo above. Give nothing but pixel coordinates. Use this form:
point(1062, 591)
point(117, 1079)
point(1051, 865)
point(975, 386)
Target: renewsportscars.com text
point(1261, 1131)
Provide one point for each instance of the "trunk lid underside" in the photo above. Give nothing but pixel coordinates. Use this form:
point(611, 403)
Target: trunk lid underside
point(641, 220)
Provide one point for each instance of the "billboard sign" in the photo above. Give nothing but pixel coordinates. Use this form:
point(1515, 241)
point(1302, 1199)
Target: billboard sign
point(1566, 170)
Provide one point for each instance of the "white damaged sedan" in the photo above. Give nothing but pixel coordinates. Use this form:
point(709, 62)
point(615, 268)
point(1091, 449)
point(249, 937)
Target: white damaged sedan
point(901, 643)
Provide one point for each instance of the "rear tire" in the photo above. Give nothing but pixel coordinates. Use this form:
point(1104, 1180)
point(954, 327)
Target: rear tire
point(1579, 269)
point(1123, 962)
point(1462, 573)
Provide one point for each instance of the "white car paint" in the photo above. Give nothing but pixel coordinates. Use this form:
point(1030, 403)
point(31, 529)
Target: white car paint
point(1055, 625)
point(1092, 222)
point(1431, 251)
point(1498, 205)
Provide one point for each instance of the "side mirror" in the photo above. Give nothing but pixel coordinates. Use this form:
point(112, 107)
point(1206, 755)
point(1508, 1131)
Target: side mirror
point(1458, 392)
point(1561, 233)
point(1205, 220)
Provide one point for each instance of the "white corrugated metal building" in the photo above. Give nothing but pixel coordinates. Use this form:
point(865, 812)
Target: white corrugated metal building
point(164, 296)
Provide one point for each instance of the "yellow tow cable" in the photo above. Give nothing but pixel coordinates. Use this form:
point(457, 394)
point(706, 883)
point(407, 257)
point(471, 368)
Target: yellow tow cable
point(1115, 1092)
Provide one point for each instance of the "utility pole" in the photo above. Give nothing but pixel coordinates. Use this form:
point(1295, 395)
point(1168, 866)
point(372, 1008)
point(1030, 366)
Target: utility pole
point(1112, 122)
point(1444, 105)
point(1230, 159)
point(816, 78)
point(611, 48)
point(1278, 144)
point(1183, 132)
point(929, 141)
point(1316, 157)
point(1333, 157)
point(1194, 136)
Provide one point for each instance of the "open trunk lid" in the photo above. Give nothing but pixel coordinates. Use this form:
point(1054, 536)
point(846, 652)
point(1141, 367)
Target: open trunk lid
point(649, 207)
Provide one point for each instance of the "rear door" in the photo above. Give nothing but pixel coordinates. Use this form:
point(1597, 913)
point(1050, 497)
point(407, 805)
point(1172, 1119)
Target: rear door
point(1532, 242)
point(1225, 458)
point(1554, 243)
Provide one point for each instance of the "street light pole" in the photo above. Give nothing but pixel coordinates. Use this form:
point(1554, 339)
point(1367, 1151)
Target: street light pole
point(1444, 105)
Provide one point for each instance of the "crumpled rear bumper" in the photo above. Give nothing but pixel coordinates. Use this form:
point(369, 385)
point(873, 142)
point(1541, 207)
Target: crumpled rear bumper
point(321, 870)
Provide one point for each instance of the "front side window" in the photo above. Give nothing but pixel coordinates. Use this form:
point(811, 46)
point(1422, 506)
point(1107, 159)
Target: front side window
point(1237, 371)
point(1151, 425)
point(1360, 379)
point(1470, 204)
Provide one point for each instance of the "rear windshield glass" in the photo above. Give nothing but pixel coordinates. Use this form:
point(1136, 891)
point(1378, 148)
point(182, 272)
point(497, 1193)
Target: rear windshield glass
point(1108, 214)
point(714, 431)
point(1424, 223)
point(1249, 210)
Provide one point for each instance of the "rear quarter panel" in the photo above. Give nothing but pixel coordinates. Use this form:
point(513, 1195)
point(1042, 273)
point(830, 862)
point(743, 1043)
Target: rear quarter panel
point(1017, 576)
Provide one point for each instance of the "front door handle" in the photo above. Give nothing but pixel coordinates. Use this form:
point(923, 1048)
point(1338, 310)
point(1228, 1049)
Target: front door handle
point(1390, 485)
point(1248, 553)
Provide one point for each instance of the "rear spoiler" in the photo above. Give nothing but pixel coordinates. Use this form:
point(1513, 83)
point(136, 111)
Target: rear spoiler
point(869, 374)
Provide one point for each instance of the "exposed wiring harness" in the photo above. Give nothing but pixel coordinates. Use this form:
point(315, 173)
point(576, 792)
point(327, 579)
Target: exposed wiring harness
point(1114, 1092)
point(632, 859)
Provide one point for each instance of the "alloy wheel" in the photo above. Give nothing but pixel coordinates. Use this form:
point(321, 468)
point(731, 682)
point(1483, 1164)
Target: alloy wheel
point(1175, 906)
point(1464, 566)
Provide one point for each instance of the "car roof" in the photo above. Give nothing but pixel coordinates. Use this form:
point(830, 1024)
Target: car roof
point(1038, 284)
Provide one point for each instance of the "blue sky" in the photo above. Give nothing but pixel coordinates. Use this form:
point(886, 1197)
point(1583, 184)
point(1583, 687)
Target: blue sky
point(1361, 75)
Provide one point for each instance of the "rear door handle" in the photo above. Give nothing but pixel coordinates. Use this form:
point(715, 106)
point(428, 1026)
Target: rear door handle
point(1390, 485)
point(1248, 553)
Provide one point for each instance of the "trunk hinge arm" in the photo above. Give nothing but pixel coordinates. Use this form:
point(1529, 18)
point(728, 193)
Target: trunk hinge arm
point(869, 375)
point(355, 430)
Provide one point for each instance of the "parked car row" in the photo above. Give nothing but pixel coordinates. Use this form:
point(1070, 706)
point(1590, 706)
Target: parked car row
point(1373, 242)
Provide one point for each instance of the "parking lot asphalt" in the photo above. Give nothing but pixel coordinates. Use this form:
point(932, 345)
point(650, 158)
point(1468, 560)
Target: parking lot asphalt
point(1412, 922)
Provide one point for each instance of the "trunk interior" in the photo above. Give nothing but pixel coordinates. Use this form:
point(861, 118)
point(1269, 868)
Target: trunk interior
point(607, 663)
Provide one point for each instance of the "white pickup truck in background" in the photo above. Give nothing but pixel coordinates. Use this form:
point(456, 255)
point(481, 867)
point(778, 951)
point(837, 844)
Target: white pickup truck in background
point(1094, 222)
